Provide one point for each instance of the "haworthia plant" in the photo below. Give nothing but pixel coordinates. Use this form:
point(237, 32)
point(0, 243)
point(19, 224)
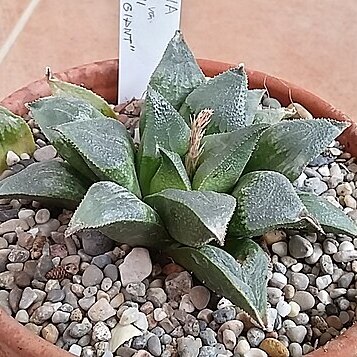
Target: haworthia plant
point(170, 174)
point(178, 73)
point(90, 140)
point(226, 94)
point(239, 177)
point(53, 111)
point(15, 136)
point(331, 218)
point(236, 280)
point(265, 200)
point(165, 128)
point(61, 88)
point(224, 158)
point(58, 186)
point(207, 213)
point(120, 215)
point(288, 146)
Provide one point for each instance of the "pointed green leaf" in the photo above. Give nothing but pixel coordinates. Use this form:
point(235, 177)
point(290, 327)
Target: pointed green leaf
point(15, 135)
point(288, 146)
point(171, 173)
point(272, 116)
point(120, 215)
point(106, 147)
point(254, 98)
point(224, 158)
point(244, 284)
point(61, 88)
point(204, 214)
point(165, 128)
point(50, 182)
point(178, 73)
point(226, 94)
point(266, 200)
point(331, 218)
point(53, 111)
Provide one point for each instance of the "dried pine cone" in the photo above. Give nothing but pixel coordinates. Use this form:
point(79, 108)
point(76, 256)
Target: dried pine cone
point(58, 273)
point(36, 250)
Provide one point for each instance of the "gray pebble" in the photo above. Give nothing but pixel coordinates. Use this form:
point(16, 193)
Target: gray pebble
point(80, 329)
point(101, 260)
point(188, 346)
point(106, 284)
point(345, 256)
point(274, 295)
point(18, 255)
point(42, 314)
point(315, 256)
point(345, 280)
point(92, 276)
point(295, 350)
point(111, 271)
point(322, 282)
point(45, 153)
point(139, 342)
point(224, 314)
point(208, 337)
point(28, 298)
point(326, 264)
point(255, 336)
point(60, 317)
point(154, 345)
point(55, 295)
point(315, 184)
point(304, 299)
point(297, 333)
point(136, 289)
point(299, 280)
point(207, 351)
point(280, 248)
point(87, 302)
point(278, 280)
point(101, 332)
point(94, 242)
point(300, 247)
point(88, 351)
point(330, 246)
point(75, 350)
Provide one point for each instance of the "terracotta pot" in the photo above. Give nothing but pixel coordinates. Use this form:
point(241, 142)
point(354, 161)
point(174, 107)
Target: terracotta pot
point(101, 77)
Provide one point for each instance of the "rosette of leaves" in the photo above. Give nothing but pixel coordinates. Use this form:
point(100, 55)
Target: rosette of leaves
point(212, 171)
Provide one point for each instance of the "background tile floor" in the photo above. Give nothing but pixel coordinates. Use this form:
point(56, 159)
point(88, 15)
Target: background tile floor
point(312, 43)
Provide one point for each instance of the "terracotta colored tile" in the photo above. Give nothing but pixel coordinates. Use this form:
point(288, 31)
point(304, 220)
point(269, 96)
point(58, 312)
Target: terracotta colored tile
point(310, 43)
point(10, 11)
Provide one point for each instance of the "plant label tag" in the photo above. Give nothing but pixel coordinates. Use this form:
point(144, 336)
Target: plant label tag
point(146, 27)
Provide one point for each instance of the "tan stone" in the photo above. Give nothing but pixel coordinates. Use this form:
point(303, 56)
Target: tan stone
point(274, 348)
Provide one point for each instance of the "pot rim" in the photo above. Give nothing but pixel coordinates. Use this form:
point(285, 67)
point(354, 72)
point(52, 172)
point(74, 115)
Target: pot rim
point(16, 340)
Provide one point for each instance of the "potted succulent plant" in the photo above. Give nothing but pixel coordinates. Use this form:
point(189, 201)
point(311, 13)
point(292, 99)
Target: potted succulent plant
point(212, 172)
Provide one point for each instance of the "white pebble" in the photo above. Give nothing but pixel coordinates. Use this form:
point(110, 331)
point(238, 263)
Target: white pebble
point(42, 216)
point(75, 350)
point(255, 352)
point(345, 246)
point(11, 158)
point(25, 156)
point(294, 309)
point(242, 347)
point(323, 282)
point(283, 308)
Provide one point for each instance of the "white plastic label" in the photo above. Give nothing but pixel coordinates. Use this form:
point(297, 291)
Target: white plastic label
point(146, 27)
